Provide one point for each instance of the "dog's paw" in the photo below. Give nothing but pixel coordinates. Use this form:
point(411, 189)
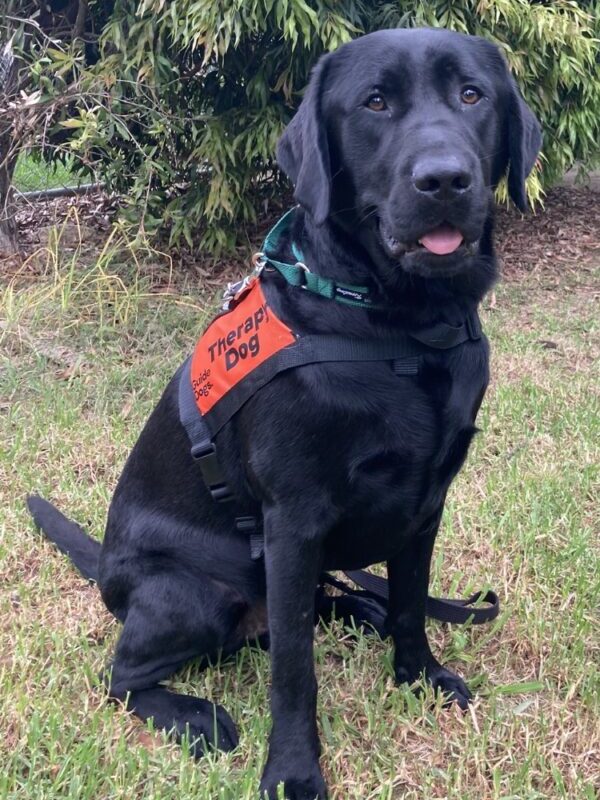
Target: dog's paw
point(308, 787)
point(207, 725)
point(451, 685)
point(440, 679)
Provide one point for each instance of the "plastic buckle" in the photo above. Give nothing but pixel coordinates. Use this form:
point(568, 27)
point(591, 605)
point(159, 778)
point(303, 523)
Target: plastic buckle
point(202, 450)
point(246, 524)
point(212, 474)
point(221, 494)
point(406, 366)
point(474, 327)
point(252, 526)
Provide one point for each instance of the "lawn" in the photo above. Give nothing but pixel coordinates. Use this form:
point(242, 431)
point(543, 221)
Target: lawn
point(87, 342)
point(33, 175)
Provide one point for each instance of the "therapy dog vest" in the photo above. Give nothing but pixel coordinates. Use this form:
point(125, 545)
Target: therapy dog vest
point(235, 344)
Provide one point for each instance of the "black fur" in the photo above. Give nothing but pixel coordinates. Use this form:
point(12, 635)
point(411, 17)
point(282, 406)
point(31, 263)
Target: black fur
point(69, 537)
point(349, 463)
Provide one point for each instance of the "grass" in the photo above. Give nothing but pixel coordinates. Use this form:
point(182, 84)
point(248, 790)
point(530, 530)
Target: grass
point(33, 175)
point(86, 349)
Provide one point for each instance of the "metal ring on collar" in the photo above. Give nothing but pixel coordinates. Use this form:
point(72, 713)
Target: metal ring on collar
point(303, 266)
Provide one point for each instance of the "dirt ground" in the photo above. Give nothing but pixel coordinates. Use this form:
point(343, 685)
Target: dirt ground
point(564, 234)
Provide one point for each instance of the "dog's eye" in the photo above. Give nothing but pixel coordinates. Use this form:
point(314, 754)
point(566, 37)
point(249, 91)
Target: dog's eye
point(376, 102)
point(470, 95)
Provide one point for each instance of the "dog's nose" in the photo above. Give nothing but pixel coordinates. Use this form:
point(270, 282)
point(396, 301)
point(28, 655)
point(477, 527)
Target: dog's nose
point(443, 178)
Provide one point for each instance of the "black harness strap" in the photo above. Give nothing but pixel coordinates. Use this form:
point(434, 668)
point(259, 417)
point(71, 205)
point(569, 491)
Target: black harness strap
point(203, 449)
point(443, 336)
point(404, 354)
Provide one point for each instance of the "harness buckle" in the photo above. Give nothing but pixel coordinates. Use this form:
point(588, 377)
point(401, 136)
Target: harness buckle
point(252, 527)
point(212, 474)
point(246, 524)
point(474, 327)
point(221, 494)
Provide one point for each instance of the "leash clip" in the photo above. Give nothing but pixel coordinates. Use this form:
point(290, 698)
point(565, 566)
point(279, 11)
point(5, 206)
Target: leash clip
point(234, 288)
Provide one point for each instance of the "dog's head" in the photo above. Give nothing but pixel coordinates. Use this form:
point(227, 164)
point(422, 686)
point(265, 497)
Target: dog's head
point(400, 139)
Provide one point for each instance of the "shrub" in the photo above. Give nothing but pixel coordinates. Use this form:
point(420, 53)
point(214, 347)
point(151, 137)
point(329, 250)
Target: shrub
point(183, 106)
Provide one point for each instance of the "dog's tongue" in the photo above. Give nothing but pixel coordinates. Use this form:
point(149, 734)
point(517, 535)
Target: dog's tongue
point(442, 240)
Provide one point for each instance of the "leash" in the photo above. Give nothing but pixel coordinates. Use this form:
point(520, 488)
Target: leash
point(455, 611)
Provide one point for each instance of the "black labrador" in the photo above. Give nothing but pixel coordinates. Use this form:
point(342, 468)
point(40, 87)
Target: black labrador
point(394, 154)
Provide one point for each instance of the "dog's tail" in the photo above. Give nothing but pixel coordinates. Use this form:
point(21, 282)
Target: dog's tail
point(70, 539)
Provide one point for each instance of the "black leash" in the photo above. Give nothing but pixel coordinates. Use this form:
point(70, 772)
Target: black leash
point(444, 609)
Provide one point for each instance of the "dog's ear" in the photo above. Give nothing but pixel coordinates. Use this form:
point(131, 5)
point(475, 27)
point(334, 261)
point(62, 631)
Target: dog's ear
point(303, 152)
point(524, 142)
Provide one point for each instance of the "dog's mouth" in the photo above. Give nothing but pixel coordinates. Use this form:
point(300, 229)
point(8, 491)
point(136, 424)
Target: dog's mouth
point(443, 240)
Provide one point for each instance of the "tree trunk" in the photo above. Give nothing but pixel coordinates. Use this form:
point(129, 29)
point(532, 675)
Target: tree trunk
point(8, 157)
point(8, 225)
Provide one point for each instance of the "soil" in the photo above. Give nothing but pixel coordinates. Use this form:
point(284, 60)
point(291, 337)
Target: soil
point(562, 235)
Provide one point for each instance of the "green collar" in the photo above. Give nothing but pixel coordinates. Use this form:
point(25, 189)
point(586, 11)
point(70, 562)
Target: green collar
point(298, 274)
point(439, 336)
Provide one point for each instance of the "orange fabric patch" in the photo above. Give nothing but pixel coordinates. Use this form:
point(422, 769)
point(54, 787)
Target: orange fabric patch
point(234, 345)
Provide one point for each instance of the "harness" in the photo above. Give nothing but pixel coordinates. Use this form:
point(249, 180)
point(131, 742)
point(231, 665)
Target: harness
point(247, 345)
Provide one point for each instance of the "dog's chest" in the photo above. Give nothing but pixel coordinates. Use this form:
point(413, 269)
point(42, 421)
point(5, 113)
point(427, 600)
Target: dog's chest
point(406, 452)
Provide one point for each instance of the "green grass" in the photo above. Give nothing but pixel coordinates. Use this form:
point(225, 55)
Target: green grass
point(32, 175)
point(86, 351)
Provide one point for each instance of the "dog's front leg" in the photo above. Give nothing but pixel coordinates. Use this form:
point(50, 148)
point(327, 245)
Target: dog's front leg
point(408, 574)
point(293, 556)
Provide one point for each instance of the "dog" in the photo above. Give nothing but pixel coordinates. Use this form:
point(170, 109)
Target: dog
point(394, 153)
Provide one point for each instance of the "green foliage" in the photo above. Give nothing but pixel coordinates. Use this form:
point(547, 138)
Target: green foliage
point(184, 104)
